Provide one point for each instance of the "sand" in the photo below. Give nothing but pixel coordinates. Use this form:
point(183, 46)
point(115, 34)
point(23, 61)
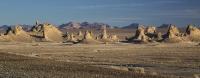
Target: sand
point(178, 59)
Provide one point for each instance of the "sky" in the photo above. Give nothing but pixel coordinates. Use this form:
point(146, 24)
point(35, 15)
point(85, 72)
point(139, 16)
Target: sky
point(113, 12)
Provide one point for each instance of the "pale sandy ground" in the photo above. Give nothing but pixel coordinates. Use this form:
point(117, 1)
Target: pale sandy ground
point(180, 59)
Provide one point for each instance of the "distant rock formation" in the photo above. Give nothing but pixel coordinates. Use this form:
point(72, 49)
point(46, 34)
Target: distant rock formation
point(151, 32)
point(71, 38)
point(16, 34)
point(131, 26)
point(172, 32)
point(114, 38)
point(86, 25)
point(140, 35)
point(159, 36)
point(88, 39)
point(70, 25)
point(49, 32)
point(80, 34)
point(193, 33)
point(173, 35)
point(105, 38)
point(83, 25)
point(3, 28)
point(104, 33)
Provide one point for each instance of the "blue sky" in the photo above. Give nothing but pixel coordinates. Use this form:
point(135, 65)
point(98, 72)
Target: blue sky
point(113, 12)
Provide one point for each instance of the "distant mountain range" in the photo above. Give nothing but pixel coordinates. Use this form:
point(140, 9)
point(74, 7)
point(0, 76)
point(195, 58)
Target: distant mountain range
point(131, 26)
point(83, 25)
point(70, 25)
point(135, 25)
point(3, 28)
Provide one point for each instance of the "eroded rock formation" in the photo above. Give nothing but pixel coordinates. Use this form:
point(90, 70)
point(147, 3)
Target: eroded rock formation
point(16, 34)
point(173, 35)
point(48, 32)
point(105, 38)
point(193, 33)
point(88, 39)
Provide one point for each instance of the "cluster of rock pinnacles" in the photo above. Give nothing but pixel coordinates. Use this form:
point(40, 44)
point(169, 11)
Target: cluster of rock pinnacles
point(173, 35)
point(49, 33)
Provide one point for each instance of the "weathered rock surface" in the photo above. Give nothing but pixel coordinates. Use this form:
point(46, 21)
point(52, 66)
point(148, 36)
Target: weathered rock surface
point(16, 34)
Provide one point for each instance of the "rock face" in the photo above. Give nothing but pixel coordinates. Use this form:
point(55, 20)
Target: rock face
point(173, 35)
point(16, 34)
point(80, 34)
point(88, 36)
point(145, 35)
point(140, 35)
point(105, 38)
point(104, 33)
point(114, 38)
point(88, 39)
point(151, 30)
point(193, 33)
point(71, 38)
point(159, 36)
point(49, 32)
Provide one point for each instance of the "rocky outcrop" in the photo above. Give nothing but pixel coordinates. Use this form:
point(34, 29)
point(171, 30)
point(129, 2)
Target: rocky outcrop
point(173, 35)
point(193, 33)
point(159, 36)
point(51, 33)
point(140, 33)
point(104, 34)
point(105, 38)
point(151, 33)
point(151, 30)
point(48, 32)
point(80, 34)
point(88, 39)
point(114, 38)
point(71, 38)
point(16, 34)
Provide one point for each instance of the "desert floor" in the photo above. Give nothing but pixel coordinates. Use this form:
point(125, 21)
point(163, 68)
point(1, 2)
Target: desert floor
point(57, 60)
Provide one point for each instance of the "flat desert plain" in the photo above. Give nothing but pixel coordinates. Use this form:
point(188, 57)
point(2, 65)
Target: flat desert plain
point(122, 60)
